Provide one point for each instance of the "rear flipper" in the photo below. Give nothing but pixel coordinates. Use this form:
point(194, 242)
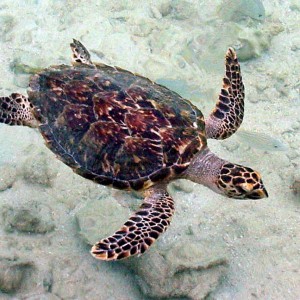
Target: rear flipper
point(228, 114)
point(141, 230)
point(17, 110)
point(80, 55)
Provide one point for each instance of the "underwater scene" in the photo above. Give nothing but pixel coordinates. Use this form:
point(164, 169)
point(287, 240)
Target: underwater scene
point(179, 119)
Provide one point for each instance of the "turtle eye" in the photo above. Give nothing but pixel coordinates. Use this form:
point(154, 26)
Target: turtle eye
point(247, 187)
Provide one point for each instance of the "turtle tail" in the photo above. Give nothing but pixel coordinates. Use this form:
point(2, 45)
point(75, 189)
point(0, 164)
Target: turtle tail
point(16, 109)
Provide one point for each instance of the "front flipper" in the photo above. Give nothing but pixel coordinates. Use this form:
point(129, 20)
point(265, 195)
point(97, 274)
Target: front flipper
point(141, 230)
point(228, 114)
point(17, 110)
point(80, 55)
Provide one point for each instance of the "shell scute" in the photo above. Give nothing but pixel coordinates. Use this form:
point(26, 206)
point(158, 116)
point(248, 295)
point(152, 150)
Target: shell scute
point(142, 151)
point(146, 123)
point(80, 91)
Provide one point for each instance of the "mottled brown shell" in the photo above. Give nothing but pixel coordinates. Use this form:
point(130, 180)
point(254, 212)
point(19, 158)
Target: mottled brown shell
point(115, 127)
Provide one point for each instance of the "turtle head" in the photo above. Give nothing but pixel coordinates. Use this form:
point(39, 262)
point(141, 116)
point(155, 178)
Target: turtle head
point(231, 180)
point(236, 181)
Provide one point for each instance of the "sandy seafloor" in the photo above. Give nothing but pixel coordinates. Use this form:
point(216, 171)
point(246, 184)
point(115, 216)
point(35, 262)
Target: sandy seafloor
point(216, 248)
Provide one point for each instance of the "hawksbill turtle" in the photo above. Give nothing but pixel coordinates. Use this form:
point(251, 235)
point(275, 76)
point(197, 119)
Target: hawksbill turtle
point(123, 130)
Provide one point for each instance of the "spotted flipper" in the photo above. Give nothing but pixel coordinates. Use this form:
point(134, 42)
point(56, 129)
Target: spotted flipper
point(17, 110)
point(80, 55)
point(141, 230)
point(228, 114)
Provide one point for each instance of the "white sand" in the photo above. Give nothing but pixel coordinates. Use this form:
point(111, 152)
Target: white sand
point(182, 40)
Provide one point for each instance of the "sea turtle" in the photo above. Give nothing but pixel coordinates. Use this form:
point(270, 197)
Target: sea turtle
point(123, 130)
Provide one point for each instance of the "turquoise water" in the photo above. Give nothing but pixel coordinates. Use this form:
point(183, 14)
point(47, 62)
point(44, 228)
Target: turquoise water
point(215, 247)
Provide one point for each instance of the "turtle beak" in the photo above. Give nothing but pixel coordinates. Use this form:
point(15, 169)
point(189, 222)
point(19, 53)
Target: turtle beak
point(263, 193)
point(258, 194)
